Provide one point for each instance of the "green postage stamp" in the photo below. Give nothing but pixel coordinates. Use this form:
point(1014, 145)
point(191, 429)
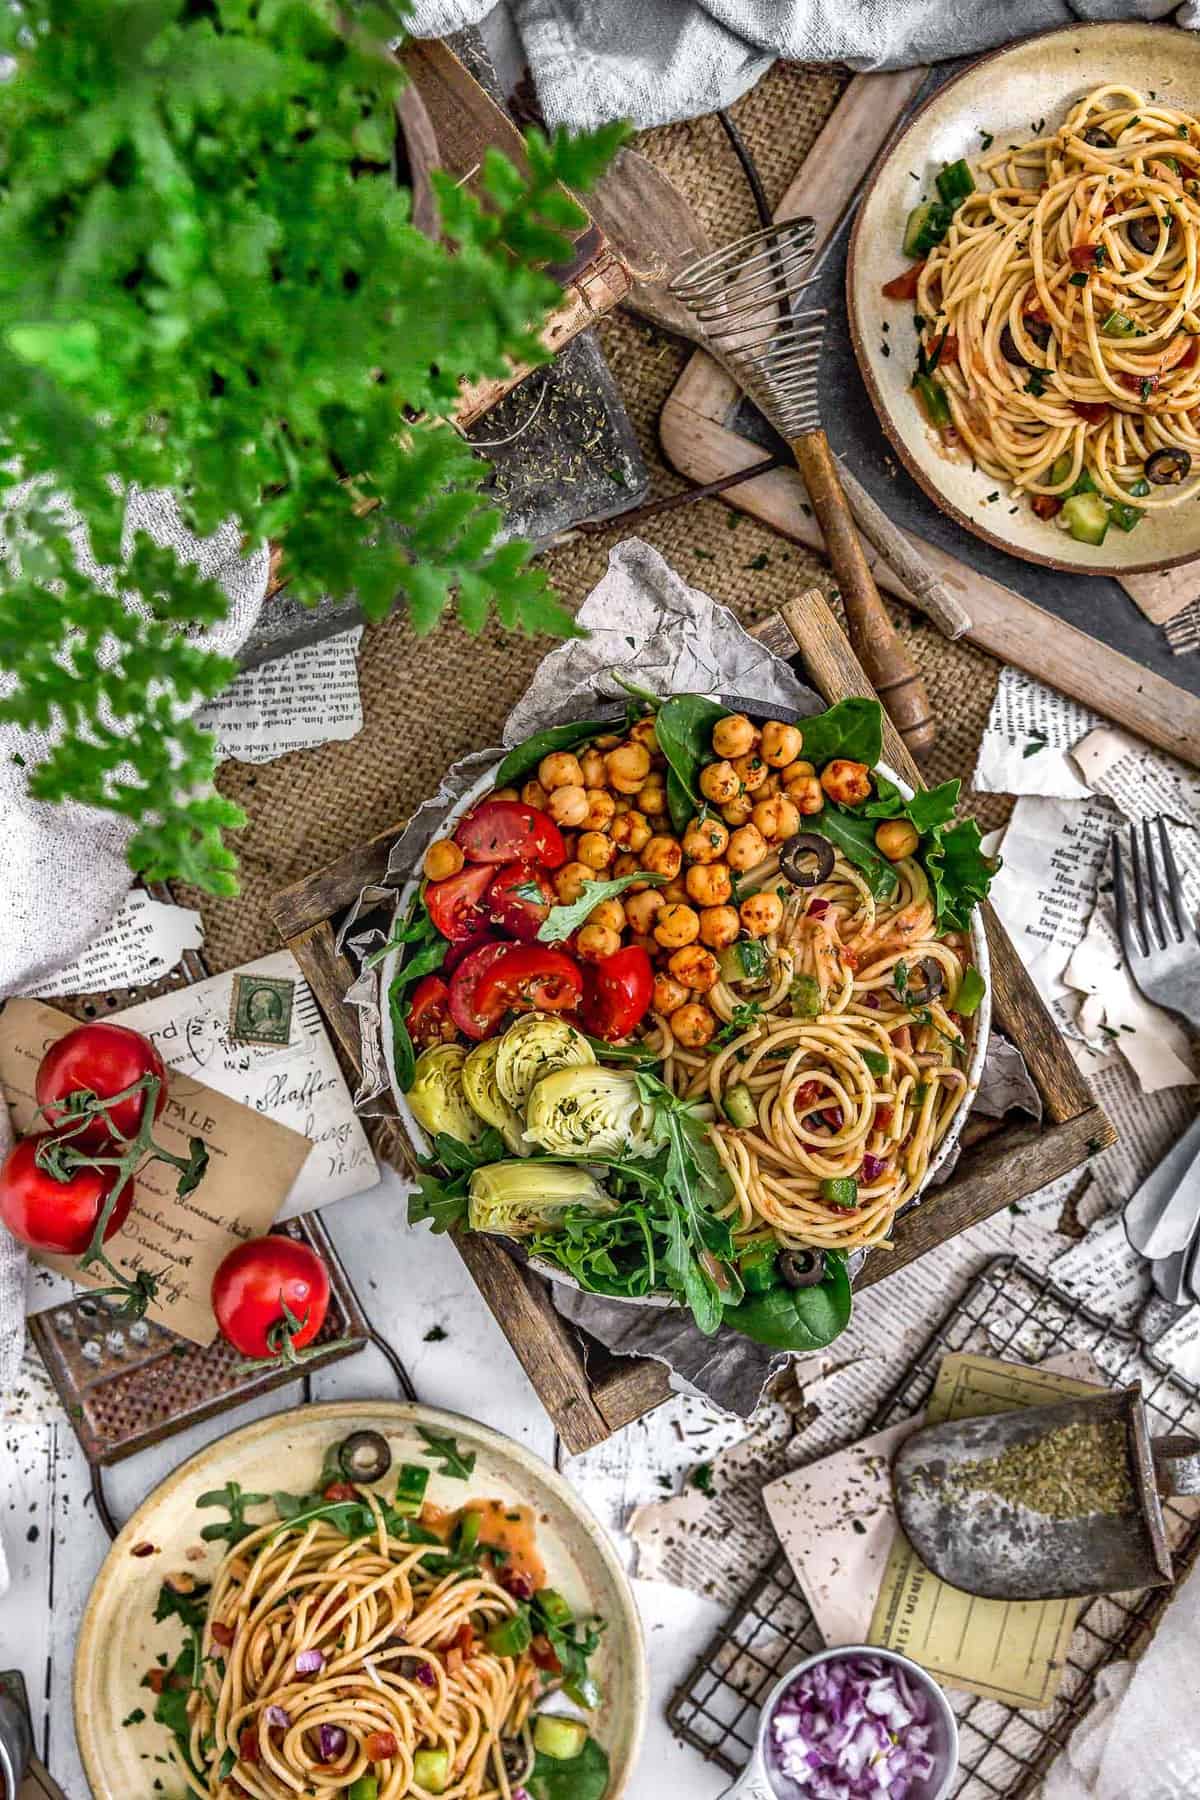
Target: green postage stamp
point(261, 1009)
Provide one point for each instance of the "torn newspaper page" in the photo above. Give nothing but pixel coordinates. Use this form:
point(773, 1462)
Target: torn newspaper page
point(293, 703)
point(144, 942)
point(1139, 781)
point(1027, 741)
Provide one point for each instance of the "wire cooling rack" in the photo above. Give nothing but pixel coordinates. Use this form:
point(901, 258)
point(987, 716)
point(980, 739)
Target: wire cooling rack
point(1011, 1311)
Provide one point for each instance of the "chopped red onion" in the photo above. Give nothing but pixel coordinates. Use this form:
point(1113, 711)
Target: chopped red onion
point(852, 1728)
point(832, 1116)
point(277, 1716)
point(331, 1741)
point(817, 907)
point(310, 1662)
point(872, 1167)
point(425, 1676)
point(872, 1000)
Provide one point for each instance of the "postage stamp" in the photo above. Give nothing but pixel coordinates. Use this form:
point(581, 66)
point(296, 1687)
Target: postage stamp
point(261, 1009)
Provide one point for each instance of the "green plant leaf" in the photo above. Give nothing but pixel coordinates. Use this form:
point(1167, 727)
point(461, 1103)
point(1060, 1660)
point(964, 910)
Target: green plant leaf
point(852, 729)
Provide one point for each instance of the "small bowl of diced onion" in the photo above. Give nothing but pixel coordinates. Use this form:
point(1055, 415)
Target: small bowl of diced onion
point(854, 1723)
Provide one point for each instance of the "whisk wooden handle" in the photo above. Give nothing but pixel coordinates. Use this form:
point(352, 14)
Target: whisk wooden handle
point(891, 669)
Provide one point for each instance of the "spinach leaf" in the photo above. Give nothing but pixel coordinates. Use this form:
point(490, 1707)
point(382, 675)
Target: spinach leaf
point(683, 726)
point(852, 728)
point(855, 838)
point(527, 756)
point(561, 921)
point(797, 1318)
point(582, 1777)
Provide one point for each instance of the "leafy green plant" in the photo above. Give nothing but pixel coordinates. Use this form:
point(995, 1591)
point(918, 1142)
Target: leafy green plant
point(209, 283)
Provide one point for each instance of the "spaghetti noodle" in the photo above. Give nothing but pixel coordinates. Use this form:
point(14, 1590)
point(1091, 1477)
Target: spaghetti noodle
point(1060, 314)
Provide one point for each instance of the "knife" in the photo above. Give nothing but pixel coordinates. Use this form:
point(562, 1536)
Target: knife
point(1161, 1217)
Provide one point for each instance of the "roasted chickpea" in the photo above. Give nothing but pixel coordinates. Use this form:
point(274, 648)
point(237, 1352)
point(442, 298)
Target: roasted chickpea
point(751, 771)
point(621, 805)
point(896, 838)
point(652, 799)
point(442, 859)
point(632, 831)
point(560, 769)
point(675, 892)
point(704, 841)
point(568, 806)
point(693, 1025)
point(643, 733)
point(504, 794)
point(640, 910)
point(600, 809)
point(610, 913)
point(608, 740)
point(734, 736)
point(805, 795)
point(777, 818)
point(719, 783)
point(591, 767)
point(662, 856)
point(719, 926)
point(676, 925)
point(847, 782)
point(747, 847)
point(772, 785)
point(594, 942)
point(761, 914)
point(669, 994)
point(637, 942)
point(709, 884)
point(794, 771)
point(596, 850)
point(627, 865)
point(696, 967)
point(570, 880)
point(781, 744)
point(534, 794)
point(738, 810)
point(628, 766)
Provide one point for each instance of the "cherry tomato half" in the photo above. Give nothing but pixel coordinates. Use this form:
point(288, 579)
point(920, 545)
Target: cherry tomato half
point(456, 904)
point(509, 903)
point(471, 1020)
point(500, 831)
point(429, 1020)
point(617, 993)
point(904, 287)
point(106, 1058)
point(57, 1215)
point(529, 978)
point(252, 1285)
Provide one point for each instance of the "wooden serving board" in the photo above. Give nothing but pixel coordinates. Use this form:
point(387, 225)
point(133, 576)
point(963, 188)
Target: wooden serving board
point(703, 434)
point(589, 1393)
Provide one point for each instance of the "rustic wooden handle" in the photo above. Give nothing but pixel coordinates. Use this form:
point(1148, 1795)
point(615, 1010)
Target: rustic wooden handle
point(892, 671)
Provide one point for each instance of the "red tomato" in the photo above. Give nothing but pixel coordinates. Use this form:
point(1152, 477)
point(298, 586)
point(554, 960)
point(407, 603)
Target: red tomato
point(380, 1746)
point(57, 1215)
point(251, 1286)
point(617, 993)
point(543, 1656)
point(529, 978)
point(464, 1008)
point(456, 904)
point(511, 911)
point(458, 952)
point(1046, 506)
point(502, 831)
point(945, 348)
point(107, 1059)
point(248, 1745)
point(1082, 256)
point(339, 1490)
point(1139, 384)
point(904, 287)
point(1094, 411)
point(429, 1020)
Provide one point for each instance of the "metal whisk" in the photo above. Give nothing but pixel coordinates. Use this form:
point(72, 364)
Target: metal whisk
point(743, 299)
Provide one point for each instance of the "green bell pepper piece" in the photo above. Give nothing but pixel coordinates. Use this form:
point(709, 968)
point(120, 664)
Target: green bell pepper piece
point(511, 1637)
point(970, 992)
point(840, 1190)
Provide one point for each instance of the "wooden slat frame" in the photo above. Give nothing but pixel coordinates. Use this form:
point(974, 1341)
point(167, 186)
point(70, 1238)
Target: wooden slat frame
point(589, 1393)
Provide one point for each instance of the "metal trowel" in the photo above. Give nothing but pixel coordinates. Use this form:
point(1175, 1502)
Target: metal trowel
point(1049, 1502)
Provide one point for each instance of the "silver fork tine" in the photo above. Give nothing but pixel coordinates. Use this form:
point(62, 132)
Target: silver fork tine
point(1139, 892)
point(1174, 885)
point(1121, 900)
point(1153, 884)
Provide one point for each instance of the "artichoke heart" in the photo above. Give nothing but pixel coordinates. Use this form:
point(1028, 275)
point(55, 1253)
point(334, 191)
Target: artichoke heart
point(438, 1097)
point(517, 1199)
point(533, 1046)
point(479, 1081)
point(588, 1112)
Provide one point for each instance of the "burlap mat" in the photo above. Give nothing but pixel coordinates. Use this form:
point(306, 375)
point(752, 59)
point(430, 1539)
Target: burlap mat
point(427, 701)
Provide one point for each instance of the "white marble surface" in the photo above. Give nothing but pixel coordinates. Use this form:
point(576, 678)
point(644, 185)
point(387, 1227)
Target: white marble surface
point(410, 1282)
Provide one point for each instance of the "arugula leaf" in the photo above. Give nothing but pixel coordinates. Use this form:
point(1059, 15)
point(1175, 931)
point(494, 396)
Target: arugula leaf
point(561, 921)
point(928, 808)
point(235, 1502)
point(851, 729)
point(443, 1200)
point(683, 726)
point(455, 1463)
point(524, 757)
point(693, 1179)
point(855, 838)
point(444, 1204)
point(959, 873)
point(191, 1608)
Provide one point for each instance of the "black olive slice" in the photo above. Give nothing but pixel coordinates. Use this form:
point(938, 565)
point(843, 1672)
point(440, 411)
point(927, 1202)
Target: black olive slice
point(930, 982)
point(1009, 351)
point(801, 1268)
point(364, 1456)
point(1167, 468)
point(516, 1758)
point(1098, 138)
point(1040, 330)
point(807, 859)
point(1143, 234)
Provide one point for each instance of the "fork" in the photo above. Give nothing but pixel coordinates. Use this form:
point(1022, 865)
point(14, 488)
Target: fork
point(1159, 939)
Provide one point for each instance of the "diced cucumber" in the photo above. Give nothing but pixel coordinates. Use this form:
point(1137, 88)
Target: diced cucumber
point(805, 996)
point(562, 1740)
point(927, 225)
point(970, 992)
point(431, 1770)
point(1119, 325)
point(934, 403)
point(740, 1109)
point(1139, 488)
point(469, 1527)
point(1087, 518)
point(365, 1788)
point(840, 1190)
point(410, 1490)
point(744, 961)
point(1125, 517)
point(955, 182)
point(1084, 483)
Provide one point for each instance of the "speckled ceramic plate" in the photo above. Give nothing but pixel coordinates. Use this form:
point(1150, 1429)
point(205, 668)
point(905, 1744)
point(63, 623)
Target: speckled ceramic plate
point(1004, 94)
point(119, 1640)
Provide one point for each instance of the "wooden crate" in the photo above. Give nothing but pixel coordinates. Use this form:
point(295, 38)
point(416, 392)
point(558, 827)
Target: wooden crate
point(589, 1393)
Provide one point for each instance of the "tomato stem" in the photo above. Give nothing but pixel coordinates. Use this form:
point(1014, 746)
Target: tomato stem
point(281, 1337)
